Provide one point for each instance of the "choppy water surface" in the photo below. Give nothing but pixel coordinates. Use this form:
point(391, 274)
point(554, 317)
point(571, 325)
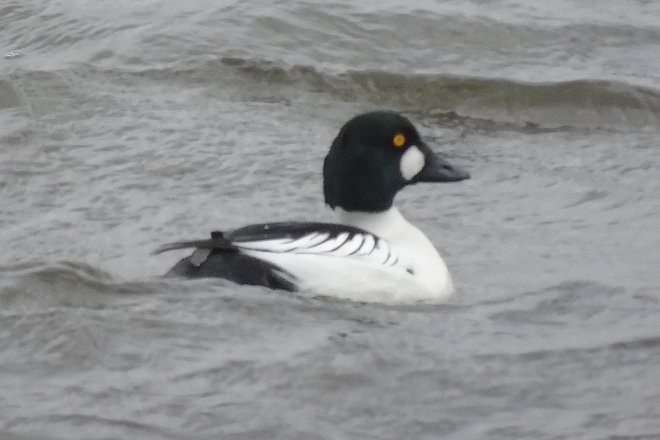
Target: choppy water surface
point(127, 124)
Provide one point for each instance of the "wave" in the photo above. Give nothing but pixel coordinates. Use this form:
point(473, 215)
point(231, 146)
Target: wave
point(48, 288)
point(9, 97)
point(482, 103)
point(582, 103)
point(579, 307)
point(33, 286)
point(632, 343)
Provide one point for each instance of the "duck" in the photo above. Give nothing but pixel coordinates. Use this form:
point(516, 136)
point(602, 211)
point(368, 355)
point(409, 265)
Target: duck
point(371, 254)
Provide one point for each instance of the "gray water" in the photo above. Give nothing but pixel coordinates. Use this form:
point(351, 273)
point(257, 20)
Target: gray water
point(127, 124)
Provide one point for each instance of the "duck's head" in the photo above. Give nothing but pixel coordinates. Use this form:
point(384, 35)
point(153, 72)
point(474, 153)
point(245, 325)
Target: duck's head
point(374, 156)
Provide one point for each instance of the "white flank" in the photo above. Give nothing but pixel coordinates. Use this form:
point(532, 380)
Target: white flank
point(401, 265)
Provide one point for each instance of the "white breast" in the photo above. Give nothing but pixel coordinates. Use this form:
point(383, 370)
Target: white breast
point(414, 249)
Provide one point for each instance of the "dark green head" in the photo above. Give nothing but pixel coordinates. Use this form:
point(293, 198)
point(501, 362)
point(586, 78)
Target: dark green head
point(374, 156)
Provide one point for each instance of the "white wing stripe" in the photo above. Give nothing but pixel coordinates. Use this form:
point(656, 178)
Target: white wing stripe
point(285, 244)
point(380, 252)
point(278, 245)
point(367, 246)
point(307, 241)
point(391, 259)
point(328, 245)
point(345, 244)
point(361, 238)
point(350, 246)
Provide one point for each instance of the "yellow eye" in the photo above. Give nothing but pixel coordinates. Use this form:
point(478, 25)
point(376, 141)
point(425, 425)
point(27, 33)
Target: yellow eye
point(399, 140)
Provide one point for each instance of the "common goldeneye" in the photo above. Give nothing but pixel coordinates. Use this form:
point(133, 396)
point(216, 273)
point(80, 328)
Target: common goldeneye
point(371, 254)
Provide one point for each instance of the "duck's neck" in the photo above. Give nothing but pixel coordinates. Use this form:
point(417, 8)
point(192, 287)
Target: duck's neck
point(383, 223)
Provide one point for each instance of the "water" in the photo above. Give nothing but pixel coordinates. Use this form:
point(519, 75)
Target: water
point(130, 124)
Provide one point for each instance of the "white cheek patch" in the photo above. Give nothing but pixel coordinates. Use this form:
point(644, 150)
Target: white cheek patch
point(412, 162)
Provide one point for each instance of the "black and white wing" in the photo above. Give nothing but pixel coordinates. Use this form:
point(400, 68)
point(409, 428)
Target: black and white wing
point(251, 255)
point(329, 239)
point(313, 238)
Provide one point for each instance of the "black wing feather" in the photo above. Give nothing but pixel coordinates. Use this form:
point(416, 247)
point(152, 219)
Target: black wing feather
point(217, 241)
